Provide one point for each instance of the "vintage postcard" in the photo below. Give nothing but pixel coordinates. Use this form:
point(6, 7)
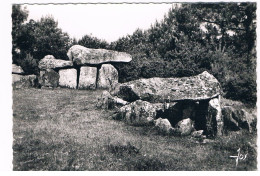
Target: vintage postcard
point(134, 86)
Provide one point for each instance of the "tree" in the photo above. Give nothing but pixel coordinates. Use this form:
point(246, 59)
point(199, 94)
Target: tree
point(49, 39)
point(93, 42)
point(19, 15)
point(35, 39)
point(193, 37)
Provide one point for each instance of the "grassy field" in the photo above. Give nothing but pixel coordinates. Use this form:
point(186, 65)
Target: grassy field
point(63, 130)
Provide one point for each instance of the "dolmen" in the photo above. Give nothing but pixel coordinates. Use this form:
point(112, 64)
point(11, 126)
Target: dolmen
point(86, 69)
point(182, 106)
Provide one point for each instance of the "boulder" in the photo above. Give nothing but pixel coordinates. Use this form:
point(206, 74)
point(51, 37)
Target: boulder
point(237, 118)
point(197, 134)
point(107, 77)
point(81, 55)
point(17, 69)
point(107, 101)
point(49, 62)
point(49, 78)
point(214, 120)
point(87, 77)
point(184, 127)
point(23, 81)
point(164, 126)
point(49, 57)
point(176, 111)
point(201, 87)
point(138, 112)
point(68, 78)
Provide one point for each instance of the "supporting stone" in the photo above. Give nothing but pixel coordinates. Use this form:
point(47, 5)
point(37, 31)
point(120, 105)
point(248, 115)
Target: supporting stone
point(108, 77)
point(87, 77)
point(214, 120)
point(23, 81)
point(68, 78)
point(49, 78)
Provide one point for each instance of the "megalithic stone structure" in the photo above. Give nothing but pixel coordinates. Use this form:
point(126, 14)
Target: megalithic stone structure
point(93, 68)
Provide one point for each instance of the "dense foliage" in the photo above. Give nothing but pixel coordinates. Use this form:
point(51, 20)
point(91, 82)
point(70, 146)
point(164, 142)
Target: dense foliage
point(35, 39)
point(217, 37)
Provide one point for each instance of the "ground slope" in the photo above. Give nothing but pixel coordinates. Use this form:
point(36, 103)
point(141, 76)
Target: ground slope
point(62, 129)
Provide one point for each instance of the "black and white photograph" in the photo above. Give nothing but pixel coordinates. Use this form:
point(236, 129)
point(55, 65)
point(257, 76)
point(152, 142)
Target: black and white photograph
point(133, 86)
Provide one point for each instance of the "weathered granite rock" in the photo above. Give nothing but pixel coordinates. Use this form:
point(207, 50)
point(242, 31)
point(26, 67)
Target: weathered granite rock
point(23, 81)
point(49, 62)
point(164, 126)
point(106, 101)
point(214, 120)
point(197, 134)
point(108, 77)
point(236, 118)
point(138, 112)
point(49, 78)
point(17, 69)
point(81, 55)
point(68, 78)
point(176, 111)
point(49, 57)
point(184, 127)
point(87, 77)
point(196, 88)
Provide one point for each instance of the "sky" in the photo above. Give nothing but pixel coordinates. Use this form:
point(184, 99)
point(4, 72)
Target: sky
point(104, 21)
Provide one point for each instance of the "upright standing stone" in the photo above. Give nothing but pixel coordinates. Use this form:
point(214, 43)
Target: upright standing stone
point(87, 77)
point(214, 122)
point(68, 78)
point(108, 76)
point(49, 78)
point(23, 81)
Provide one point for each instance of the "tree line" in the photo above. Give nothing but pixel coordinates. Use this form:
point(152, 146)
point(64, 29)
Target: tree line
point(192, 37)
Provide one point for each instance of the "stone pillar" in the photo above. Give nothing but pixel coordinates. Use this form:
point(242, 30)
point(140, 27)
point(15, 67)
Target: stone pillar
point(87, 77)
point(214, 120)
point(49, 78)
point(108, 77)
point(68, 78)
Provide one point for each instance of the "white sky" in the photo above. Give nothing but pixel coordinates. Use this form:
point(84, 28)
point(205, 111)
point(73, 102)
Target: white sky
point(105, 21)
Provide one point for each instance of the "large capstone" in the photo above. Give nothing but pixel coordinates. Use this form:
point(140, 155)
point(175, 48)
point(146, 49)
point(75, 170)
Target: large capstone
point(87, 77)
point(17, 69)
point(49, 62)
point(68, 78)
point(23, 81)
point(195, 88)
point(108, 77)
point(49, 78)
point(81, 55)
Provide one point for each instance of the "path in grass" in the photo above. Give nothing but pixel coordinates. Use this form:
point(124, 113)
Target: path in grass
point(62, 129)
